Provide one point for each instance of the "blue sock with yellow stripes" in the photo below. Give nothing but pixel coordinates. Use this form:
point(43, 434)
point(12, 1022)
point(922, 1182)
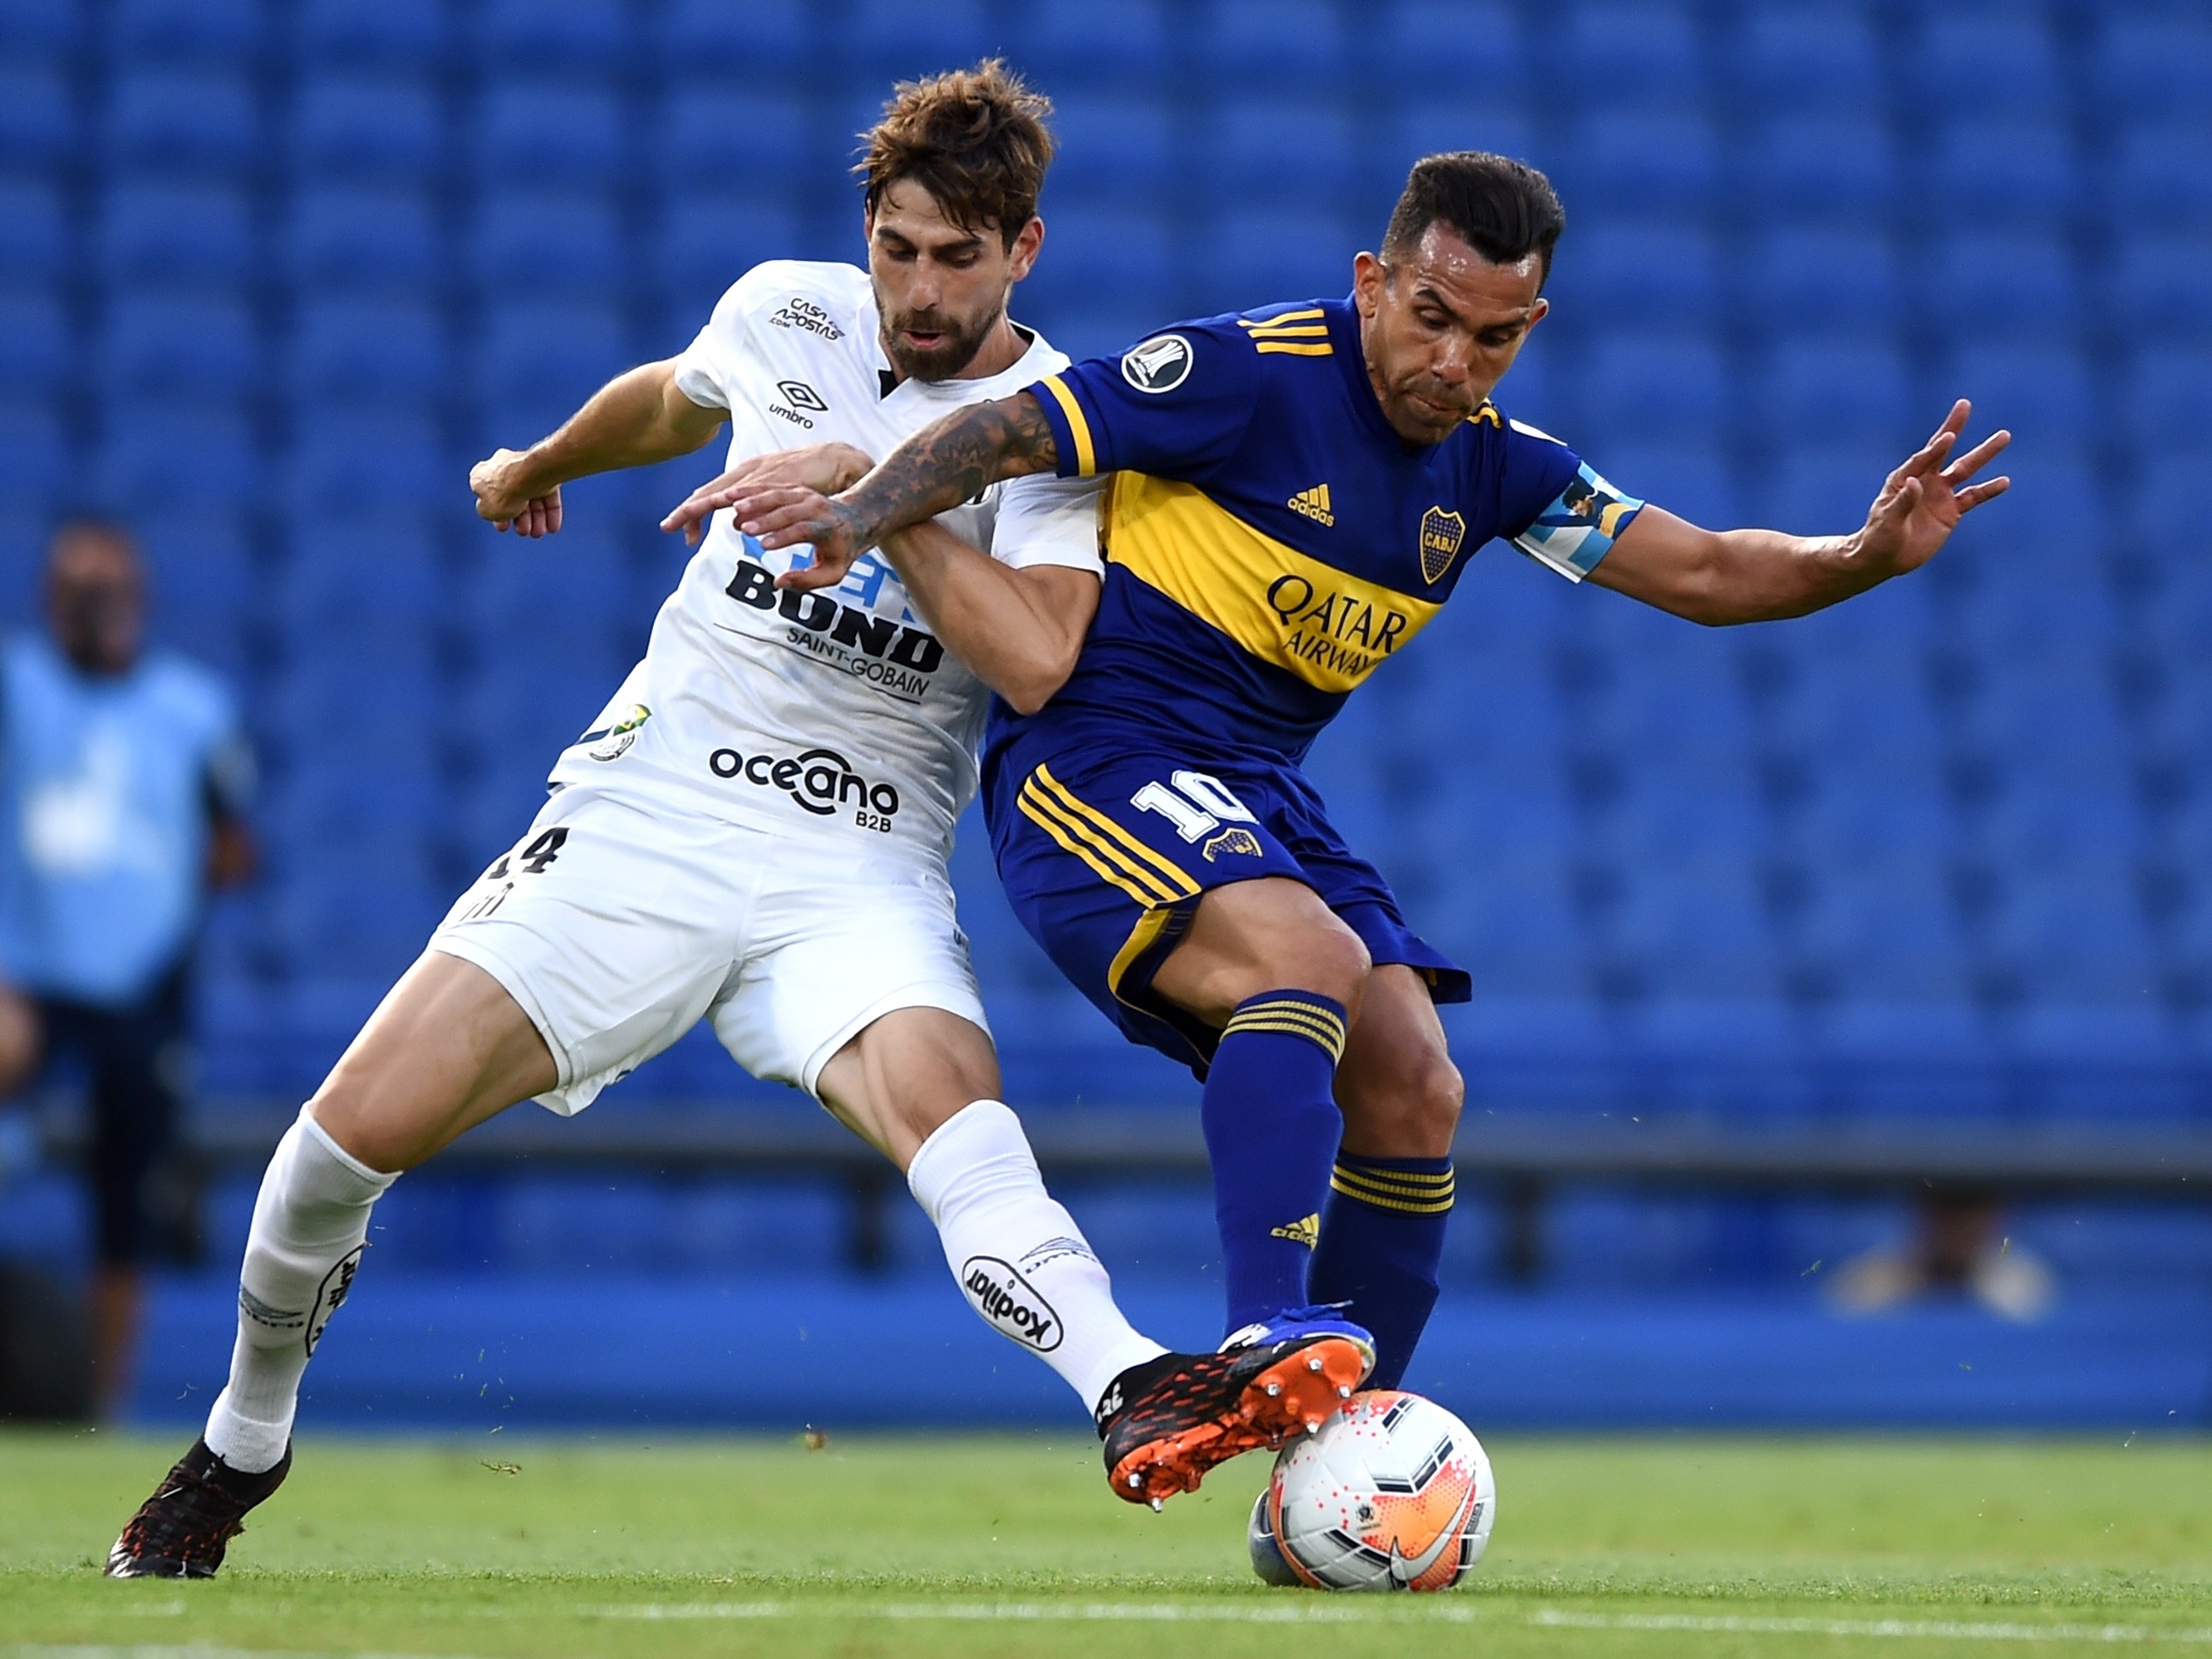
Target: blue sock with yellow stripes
point(1382, 1240)
point(1271, 1125)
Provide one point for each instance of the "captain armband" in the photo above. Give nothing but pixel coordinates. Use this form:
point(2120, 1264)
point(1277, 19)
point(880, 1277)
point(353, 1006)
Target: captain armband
point(1580, 527)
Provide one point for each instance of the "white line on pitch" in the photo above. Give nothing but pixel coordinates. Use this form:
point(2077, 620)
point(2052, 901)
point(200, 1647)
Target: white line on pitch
point(1890, 1629)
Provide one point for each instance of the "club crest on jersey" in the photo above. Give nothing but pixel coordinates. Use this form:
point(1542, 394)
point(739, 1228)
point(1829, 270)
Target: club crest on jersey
point(1441, 532)
point(1160, 364)
point(613, 742)
point(1232, 841)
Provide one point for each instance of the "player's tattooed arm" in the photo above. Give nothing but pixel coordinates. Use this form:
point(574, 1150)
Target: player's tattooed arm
point(1724, 577)
point(953, 460)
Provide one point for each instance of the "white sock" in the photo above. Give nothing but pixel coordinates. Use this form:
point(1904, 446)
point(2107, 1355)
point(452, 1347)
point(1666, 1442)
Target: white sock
point(310, 1224)
point(1017, 1254)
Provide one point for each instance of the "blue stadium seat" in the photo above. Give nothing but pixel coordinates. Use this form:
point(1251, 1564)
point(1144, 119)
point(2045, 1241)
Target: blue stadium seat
point(371, 461)
point(384, 127)
point(733, 137)
point(543, 242)
point(1802, 57)
point(2164, 286)
point(33, 246)
point(358, 785)
point(1823, 488)
point(1123, 41)
point(162, 342)
point(1472, 48)
point(707, 241)
point(2009, 171)
point(588, 37)
point(533, 602)
point(1094, 326)
point(2004, 283)
point(37, 125)
point(2078, 940)
point(1431, 121)
point(2162, 64)
point(1273, 46)
point(1512, 925)
point(34, 458)
point(1690, 797)
point(179, 120)
point(397, 33)
point(175, 452)
point(745, 43)
point(1840, 167)
point(2167, 397)
point(1620, 271)
point(1861, 813)
point(1638, 161)
point(30, 28)
point(203, 585)
point(185, 31)
point(1695, 933)
point(550, 355)
point(1690, 478)
point(1671, 383)
point(1104, 255)
point(36, 353)
point(2042, 391)
point(2051, 826)
point(900, 41)
point(1643, 52)
point(565, 137)
point(1109, 146)
point(1258, 257)
point(2050, 719)
point(160, 232)
point(1818, 278)
point(1824, 388)
point(1273, 149)
point(1887, 934)
point(2161, 173)
point(367, 350)
point(1989, 60)
point(349, 237)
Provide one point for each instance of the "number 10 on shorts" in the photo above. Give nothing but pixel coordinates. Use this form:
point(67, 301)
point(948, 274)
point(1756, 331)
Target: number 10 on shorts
point(1195, 804)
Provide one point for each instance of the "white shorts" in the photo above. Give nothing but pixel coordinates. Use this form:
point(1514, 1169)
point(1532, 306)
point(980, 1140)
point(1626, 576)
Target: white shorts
point(617, 926)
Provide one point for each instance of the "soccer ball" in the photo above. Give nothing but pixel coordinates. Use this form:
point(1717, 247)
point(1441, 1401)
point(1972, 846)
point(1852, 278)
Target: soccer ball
point(1394, 1493)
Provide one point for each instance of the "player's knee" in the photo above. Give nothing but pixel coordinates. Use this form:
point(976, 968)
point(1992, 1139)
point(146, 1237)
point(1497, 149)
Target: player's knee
point(1410, 1110)
point(1332, 960)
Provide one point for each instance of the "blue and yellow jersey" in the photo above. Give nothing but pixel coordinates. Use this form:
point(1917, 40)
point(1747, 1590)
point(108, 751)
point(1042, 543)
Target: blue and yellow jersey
point(1270, 540)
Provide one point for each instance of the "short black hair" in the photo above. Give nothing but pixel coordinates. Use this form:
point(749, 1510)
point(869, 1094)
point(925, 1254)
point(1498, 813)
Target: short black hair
point(1503, 210)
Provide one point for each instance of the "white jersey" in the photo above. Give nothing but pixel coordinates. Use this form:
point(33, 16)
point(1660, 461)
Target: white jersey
point(836, 711)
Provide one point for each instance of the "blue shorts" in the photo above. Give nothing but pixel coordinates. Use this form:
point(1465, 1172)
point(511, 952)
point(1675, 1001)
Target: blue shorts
point(1106, 850)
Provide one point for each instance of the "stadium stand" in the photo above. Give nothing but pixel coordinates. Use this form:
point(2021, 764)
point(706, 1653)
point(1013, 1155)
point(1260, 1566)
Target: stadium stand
point(1946, 851)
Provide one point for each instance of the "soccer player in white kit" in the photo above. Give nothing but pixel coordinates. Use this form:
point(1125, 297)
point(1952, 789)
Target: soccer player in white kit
point(755, 834)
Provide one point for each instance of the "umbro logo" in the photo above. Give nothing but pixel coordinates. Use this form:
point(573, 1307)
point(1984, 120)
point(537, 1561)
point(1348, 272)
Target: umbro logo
point(796, 396)
point(1313, 504)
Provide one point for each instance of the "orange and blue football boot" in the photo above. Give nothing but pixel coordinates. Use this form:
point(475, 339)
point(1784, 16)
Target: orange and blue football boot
point(1168, 1421)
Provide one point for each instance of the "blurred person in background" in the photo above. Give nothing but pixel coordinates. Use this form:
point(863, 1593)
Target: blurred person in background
point(124, 777)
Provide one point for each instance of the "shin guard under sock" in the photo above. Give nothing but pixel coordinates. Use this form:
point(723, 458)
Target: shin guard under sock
point(1272, 1126)
point(1382, 1240)
point(1018, 1255)
point(310, 1224)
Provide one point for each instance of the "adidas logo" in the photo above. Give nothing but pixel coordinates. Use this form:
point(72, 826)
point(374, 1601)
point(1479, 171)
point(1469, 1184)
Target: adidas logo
point(1305, 1231)
point(1314, 504)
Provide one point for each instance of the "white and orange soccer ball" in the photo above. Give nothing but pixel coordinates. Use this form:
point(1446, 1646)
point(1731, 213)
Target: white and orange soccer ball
point(1394, 1493)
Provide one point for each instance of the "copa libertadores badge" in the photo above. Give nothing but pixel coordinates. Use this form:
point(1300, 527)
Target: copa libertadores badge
point(1160, 364)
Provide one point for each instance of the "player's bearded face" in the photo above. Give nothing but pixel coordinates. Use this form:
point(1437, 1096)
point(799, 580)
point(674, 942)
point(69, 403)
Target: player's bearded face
point(940, 287)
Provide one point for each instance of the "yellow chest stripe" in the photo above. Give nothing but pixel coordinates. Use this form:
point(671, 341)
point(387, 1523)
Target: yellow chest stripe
point(1329, 629)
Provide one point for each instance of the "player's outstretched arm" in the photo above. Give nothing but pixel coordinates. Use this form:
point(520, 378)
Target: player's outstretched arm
point(946, 463)
point(1019, 630)
point(1718, 577)
point(635, 420)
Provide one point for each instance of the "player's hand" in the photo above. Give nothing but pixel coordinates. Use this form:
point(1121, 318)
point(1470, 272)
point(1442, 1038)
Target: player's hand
point(796, 517)
point(503, 497)
point(824, 468)
point(1922, 502)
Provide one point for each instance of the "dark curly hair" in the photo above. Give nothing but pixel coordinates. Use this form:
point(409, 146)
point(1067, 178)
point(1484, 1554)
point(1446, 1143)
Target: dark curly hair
point(974, 138)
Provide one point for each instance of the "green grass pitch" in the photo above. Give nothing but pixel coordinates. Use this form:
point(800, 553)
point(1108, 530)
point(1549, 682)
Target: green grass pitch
point(980, 1547)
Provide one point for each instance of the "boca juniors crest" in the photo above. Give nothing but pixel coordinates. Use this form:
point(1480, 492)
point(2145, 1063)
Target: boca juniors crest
point(1441, 534)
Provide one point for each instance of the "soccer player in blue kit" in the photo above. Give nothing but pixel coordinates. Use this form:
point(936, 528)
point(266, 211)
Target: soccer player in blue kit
point(1296, 491)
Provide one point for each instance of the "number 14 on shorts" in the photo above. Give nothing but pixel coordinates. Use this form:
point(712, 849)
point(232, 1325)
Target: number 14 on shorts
point(496, 883)
point(1195, 804)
